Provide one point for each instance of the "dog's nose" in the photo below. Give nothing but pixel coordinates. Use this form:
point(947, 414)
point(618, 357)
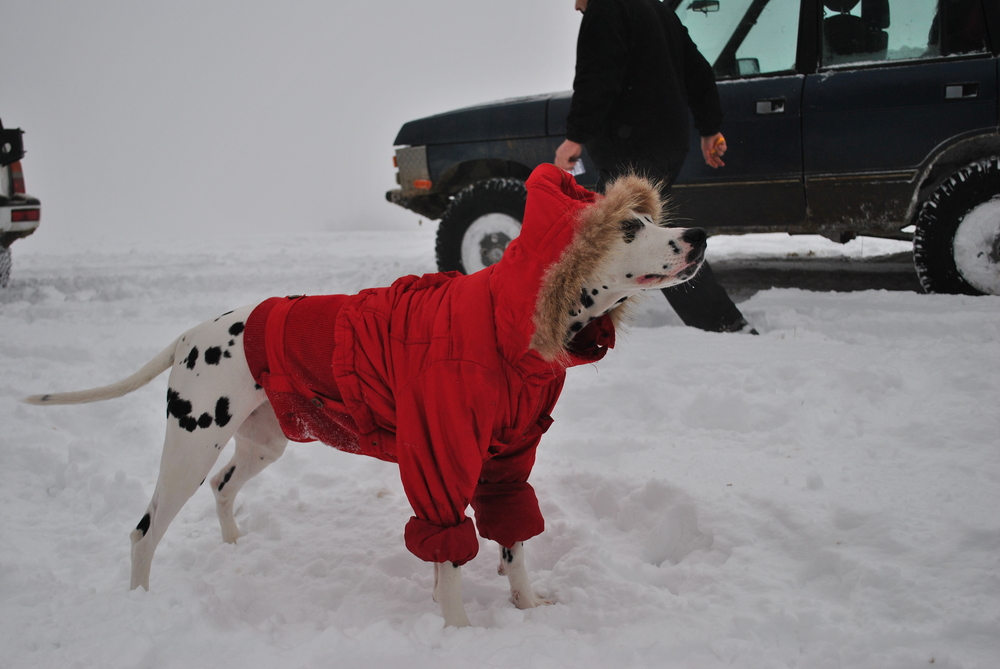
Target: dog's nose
point(694, 236)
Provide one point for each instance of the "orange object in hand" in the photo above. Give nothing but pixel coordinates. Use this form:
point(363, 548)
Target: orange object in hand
point(719, 141)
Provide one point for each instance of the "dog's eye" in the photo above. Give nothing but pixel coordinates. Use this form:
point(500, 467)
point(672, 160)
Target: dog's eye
point(630, 228)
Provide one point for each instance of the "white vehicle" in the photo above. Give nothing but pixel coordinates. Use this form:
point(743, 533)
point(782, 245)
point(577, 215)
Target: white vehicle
point(20, 213)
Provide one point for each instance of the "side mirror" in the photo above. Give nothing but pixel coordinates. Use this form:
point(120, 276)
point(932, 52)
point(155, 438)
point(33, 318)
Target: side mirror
point(747, 67)
point(704, 6)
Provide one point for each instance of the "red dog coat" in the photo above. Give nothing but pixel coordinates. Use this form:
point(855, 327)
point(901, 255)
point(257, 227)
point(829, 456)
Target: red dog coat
point(436, 373)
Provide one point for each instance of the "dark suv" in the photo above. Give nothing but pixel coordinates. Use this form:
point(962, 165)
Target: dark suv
point(843, 118)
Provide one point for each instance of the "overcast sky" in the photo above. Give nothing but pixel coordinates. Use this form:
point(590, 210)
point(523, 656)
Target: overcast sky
point(185, 117)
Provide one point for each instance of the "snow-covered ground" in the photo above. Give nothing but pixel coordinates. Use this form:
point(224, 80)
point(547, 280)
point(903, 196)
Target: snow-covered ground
point(823, 495)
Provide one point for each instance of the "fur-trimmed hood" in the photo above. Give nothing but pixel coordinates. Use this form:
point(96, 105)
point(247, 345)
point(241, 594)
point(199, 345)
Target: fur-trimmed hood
point(564, 235)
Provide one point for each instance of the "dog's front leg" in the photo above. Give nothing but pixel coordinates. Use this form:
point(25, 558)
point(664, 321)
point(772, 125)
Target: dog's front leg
point(512, 565)
point(448, 593)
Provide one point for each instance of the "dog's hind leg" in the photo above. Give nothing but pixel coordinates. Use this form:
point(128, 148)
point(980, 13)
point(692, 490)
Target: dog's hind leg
point(259, 442)
point(211, 393)
point(186, 462)
point(512, 565)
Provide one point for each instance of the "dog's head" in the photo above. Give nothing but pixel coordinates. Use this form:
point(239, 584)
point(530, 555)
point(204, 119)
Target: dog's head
point(622, 247)
point(647, 255)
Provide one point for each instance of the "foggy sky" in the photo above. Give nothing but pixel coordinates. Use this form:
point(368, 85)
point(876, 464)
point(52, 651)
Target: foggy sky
point(206, 118)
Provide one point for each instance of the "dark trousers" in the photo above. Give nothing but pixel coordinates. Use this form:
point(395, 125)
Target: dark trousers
point(701, 302)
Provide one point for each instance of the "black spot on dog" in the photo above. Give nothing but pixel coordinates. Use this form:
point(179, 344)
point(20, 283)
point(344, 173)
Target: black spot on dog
point(628, 276)
point(235, 329)
point(594, 292)
point(225, 479)
point(673, 247)
point(225, 314)
point(508, 554)
point(586, 300)
point(143, 525)
point(177, 407)
point(227, 354)
point(205, 420)
point(232, 342)
point(192, 357)
point(576, 327)
point(621, 300)
point(189, 423)
point(213, 355)
point(630, 229)
point(257, 386)
point(222, 416)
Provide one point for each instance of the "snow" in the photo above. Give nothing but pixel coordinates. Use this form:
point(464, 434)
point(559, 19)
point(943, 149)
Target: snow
point(822, 495)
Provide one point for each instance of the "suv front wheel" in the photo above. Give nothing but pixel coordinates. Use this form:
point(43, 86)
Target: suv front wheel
point(480, 222)
point(956, 246)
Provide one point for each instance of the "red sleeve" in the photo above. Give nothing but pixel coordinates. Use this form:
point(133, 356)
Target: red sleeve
point(505, 503)
point(444, 422)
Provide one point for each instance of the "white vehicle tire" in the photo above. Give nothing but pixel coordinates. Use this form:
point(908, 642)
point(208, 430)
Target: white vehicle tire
point(956, 246)
point(480, 222)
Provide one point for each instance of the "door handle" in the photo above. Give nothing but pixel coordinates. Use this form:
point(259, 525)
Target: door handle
point(961, 91)
point(772, 106)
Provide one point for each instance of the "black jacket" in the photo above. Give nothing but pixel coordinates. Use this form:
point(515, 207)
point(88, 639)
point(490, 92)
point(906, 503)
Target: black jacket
point(637, 73)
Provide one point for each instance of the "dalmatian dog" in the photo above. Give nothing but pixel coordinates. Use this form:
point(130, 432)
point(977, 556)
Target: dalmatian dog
point(213, 396)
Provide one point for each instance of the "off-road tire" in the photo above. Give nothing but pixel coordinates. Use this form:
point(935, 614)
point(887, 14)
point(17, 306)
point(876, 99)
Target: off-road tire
point(479, 223)
point(5, 263)
point(956, 245)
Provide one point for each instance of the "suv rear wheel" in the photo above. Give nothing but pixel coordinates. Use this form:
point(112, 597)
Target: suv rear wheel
point(4, 266)
point(956, 246)
point(480, 222)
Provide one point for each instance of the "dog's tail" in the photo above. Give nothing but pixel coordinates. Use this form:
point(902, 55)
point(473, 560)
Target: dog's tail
point(150, 371)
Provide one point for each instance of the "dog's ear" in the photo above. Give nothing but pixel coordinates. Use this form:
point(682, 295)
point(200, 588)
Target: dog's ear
point(628, 193)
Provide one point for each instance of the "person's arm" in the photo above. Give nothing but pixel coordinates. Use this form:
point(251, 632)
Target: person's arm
point(703, 99)
point(601, 59)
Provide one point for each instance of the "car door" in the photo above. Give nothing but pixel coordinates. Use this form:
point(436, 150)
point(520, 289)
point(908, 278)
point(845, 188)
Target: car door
point(752, 45)
point(899, 81)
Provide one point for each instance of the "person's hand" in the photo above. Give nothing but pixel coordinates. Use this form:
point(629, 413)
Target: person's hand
point(712, 148)
point(567, 154)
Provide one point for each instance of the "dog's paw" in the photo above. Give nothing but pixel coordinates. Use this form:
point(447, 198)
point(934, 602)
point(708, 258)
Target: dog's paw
point(528, 599)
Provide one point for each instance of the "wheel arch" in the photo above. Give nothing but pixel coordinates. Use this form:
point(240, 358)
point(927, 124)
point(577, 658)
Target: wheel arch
point(947, 161)
point(461, 175)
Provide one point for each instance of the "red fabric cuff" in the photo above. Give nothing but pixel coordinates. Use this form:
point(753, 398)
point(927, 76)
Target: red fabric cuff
point(507, 512)
point(434, 543)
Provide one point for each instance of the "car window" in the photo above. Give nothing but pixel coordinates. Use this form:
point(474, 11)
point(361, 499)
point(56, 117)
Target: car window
point(770, 44)
point(858, 31)
point(711, 25)
point(766, 34)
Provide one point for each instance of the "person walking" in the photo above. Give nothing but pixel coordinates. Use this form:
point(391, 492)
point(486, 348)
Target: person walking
point(638, 73)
